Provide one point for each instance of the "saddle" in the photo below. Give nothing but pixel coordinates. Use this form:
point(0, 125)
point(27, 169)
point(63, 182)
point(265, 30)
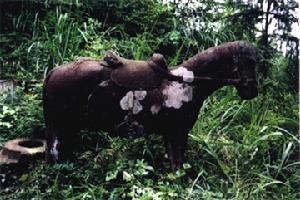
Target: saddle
point(137, 75)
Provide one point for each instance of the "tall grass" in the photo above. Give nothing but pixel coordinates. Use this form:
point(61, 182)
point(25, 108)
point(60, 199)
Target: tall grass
point(246, 143)
point(237, 149)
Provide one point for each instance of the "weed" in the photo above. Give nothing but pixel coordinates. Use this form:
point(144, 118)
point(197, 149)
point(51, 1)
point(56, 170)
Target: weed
point(237, 149)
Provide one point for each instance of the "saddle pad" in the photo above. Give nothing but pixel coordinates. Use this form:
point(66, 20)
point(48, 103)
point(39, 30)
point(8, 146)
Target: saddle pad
point(136, 75)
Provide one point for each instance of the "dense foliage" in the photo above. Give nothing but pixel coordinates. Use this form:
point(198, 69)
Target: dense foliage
point(237, 149)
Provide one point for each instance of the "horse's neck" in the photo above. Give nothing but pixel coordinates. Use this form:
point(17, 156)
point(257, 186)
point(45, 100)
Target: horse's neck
point(200, 92)
point(207, 64)
point(210, 62)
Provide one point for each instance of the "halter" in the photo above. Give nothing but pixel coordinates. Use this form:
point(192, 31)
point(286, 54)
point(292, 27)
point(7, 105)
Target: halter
point(199, 79)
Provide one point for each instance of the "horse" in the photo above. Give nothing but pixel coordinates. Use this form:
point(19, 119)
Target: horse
point(101, 95)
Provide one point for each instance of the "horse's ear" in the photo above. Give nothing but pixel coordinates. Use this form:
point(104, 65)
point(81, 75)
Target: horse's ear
point(159, 60)
point(112, 59)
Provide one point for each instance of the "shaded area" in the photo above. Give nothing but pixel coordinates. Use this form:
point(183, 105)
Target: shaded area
point(237, 149)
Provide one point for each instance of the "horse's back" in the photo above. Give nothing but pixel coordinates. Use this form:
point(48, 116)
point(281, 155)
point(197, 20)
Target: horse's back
point(66, 90)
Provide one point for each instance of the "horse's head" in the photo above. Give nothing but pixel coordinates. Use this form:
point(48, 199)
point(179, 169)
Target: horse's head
point(245, 74)
point(232, 63)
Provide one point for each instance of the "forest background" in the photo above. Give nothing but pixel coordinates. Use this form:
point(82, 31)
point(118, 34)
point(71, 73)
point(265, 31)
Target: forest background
point(237, 149)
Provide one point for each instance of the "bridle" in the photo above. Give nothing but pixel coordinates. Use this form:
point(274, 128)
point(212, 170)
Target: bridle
point(199, 79)
point(203, 79)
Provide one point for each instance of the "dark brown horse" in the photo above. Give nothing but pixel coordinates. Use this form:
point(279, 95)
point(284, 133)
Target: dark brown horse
point(82, 95)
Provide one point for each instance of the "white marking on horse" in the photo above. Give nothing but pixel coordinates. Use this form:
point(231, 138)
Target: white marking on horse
point(188, 76)
point(90, 95)
point(137, 107)
point(155, 109)
point(103, 84)
point(54, 150)
point(126, 102)
point(140, 94)
point(176, 94)
point(131, 101)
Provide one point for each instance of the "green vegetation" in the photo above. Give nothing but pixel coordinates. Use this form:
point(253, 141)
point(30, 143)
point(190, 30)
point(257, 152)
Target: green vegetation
point(237, 149)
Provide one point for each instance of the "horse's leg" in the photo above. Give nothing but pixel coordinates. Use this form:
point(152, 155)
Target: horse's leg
point(175, 146)
point(60, 145)
point(49, 145)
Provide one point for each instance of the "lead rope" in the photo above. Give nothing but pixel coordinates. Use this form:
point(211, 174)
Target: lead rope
point(197, 79)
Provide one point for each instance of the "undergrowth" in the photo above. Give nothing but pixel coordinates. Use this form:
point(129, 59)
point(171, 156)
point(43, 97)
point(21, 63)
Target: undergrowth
point(237, 149)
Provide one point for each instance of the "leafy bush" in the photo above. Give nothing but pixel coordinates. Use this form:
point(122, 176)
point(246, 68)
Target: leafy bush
point(237, 149)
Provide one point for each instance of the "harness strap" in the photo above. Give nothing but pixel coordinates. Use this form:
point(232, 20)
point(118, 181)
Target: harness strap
point(197, 79)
